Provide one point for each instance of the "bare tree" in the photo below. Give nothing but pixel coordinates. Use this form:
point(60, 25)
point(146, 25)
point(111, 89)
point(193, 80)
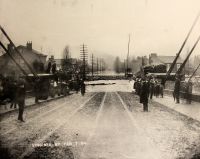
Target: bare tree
point(66, 52)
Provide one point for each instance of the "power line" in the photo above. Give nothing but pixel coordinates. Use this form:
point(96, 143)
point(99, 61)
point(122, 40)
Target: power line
point(84, 56)
point(97, 65)
point(129, 38)
point(92, 65)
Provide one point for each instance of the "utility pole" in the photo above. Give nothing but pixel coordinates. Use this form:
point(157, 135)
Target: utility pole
point(194, 72)
point(128, 51)
point(186, 59)
point(84, 55)
point(188, 64)
point(100, 66)
point(180, 50)
point(125, 67)
point(92, 65)
point(97, 66)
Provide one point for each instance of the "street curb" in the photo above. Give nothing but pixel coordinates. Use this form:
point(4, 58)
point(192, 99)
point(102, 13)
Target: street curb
point(194, 97)
point(29, 106)
point(196, 150)
point(188, 117)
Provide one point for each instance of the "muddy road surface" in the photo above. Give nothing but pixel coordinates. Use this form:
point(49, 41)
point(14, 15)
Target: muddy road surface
point(105, 123)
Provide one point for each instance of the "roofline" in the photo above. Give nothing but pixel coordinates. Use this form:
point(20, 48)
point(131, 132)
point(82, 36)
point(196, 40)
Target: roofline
point(39, 53)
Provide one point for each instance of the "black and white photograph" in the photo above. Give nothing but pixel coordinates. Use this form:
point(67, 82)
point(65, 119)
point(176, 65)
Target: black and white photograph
point(100, 79)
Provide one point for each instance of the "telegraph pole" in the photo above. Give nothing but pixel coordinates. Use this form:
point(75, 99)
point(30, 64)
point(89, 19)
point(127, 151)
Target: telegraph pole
point(100, 63)
point(97, 66)
point(188, 63)
point(128, 51)
point(84, 55)
point(125, 67)
point(92, 65)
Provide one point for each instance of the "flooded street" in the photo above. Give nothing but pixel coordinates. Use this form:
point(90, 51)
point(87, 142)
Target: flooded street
point(99, 79)
point(102, 124)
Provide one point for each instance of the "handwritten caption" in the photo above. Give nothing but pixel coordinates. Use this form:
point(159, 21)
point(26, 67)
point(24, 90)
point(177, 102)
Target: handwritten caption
point(56, 144)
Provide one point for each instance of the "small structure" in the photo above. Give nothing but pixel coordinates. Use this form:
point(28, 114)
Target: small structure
point(154, 59)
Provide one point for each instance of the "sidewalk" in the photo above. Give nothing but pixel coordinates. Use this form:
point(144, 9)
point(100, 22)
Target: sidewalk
point(28, 102)
point(191, 110)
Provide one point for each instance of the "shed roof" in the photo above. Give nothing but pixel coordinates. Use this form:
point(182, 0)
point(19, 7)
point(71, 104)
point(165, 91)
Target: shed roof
point(165, 59)
point(32, 50)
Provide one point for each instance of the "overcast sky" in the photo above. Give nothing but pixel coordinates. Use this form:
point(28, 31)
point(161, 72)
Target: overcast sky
point(104, 25)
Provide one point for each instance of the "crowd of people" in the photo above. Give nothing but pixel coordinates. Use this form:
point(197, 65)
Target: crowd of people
point(183, 89)
point(146, 88)
point(13, 91)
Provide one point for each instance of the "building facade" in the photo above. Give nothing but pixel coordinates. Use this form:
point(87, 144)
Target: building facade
point(154, 59)
point(34, 58)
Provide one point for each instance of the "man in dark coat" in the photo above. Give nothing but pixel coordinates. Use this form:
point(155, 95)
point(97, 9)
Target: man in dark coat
point(20, 98)
point(188, 93)
point(53, 68)
point(48, 67)
point(157, 89)
point(161, 90)
point(13, 87)
point(135, 86)
point(177, 89)
point(144, 92)
point(138, 87)
point(82, 88)
point(151, 88)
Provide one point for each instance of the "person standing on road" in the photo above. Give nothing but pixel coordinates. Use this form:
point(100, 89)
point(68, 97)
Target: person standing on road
point(161, 90)
point(144, 92)
point(53, 69)
point(20, 98)
point(138, 88)
point(82, 88)
point(151, 88)
point(177, 89)
point(157, 88)
point(13, 94)
point(188, 92)
point(48, 67)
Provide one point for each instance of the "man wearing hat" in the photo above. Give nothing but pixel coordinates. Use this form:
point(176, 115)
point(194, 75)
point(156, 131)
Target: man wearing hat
point(20, 98)
point(144, 93)
point(177, 89)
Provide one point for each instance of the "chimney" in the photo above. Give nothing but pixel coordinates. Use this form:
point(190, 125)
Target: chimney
point(29, 45)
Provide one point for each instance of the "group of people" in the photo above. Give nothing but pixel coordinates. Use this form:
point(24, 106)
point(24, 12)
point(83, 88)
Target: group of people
point(184, 89)
point(147, 87)
point(13, 91)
